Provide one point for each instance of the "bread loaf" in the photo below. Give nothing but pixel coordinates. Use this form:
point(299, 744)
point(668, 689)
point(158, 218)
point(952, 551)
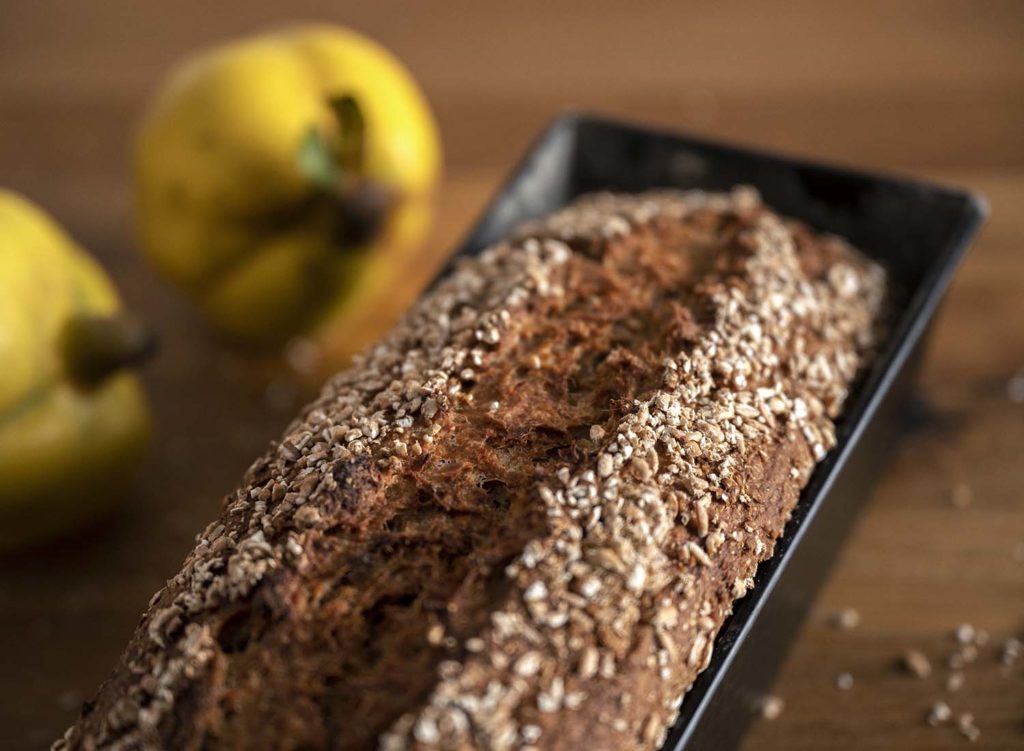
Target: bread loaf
point(520, 519)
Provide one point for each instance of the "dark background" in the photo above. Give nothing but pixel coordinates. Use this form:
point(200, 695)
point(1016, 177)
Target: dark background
point(935, 89)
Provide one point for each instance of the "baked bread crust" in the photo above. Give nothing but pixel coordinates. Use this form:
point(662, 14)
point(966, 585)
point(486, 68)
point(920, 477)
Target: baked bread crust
point(519, 520)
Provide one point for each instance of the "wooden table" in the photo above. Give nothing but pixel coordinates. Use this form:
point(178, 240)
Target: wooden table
point(932, 88)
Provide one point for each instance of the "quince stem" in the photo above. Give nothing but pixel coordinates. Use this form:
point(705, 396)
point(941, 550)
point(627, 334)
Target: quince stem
point(94, 347)
point(335, 166)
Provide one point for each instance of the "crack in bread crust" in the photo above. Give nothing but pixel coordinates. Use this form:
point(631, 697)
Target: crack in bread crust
point(521, 518)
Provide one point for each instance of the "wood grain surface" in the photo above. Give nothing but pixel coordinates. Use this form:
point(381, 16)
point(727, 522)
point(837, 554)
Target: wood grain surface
point(935, 89)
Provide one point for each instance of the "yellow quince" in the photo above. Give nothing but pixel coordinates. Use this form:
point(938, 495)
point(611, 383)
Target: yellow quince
point(284, 182)
point(74, 423)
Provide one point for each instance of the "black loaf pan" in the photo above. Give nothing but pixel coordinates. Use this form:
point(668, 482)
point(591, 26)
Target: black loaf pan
point(917, 231)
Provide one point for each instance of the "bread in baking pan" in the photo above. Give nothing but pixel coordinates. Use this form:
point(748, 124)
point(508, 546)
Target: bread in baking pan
point(520, 519)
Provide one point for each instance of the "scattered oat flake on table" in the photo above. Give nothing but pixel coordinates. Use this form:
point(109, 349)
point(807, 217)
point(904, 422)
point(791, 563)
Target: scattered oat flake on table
point(917, 663)
point(940, 713)
point(955, 681)
point(1011, 651)
point(965, 723)
point(1015, 387)
point(966, 655)
point(844, 681)
point(771, 706)
point(846, 619)
point(964, 633)
point(961, 495)
point(302, 355)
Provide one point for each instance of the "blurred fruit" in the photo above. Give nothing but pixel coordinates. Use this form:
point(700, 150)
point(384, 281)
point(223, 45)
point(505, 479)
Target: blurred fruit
point(73, 418)
point(284, 182)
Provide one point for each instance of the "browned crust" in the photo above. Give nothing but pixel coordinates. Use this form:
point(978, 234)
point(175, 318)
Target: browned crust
point(520, 520)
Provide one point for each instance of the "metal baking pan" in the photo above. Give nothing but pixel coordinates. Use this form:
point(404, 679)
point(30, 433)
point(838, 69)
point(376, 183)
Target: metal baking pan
point(916, 230)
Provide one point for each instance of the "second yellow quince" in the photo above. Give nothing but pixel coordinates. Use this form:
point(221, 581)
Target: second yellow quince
point(284, 181)
point(74, 422)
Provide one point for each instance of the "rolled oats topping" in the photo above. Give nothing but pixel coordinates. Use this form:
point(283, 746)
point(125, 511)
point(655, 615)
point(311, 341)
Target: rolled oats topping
point(773, 365)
